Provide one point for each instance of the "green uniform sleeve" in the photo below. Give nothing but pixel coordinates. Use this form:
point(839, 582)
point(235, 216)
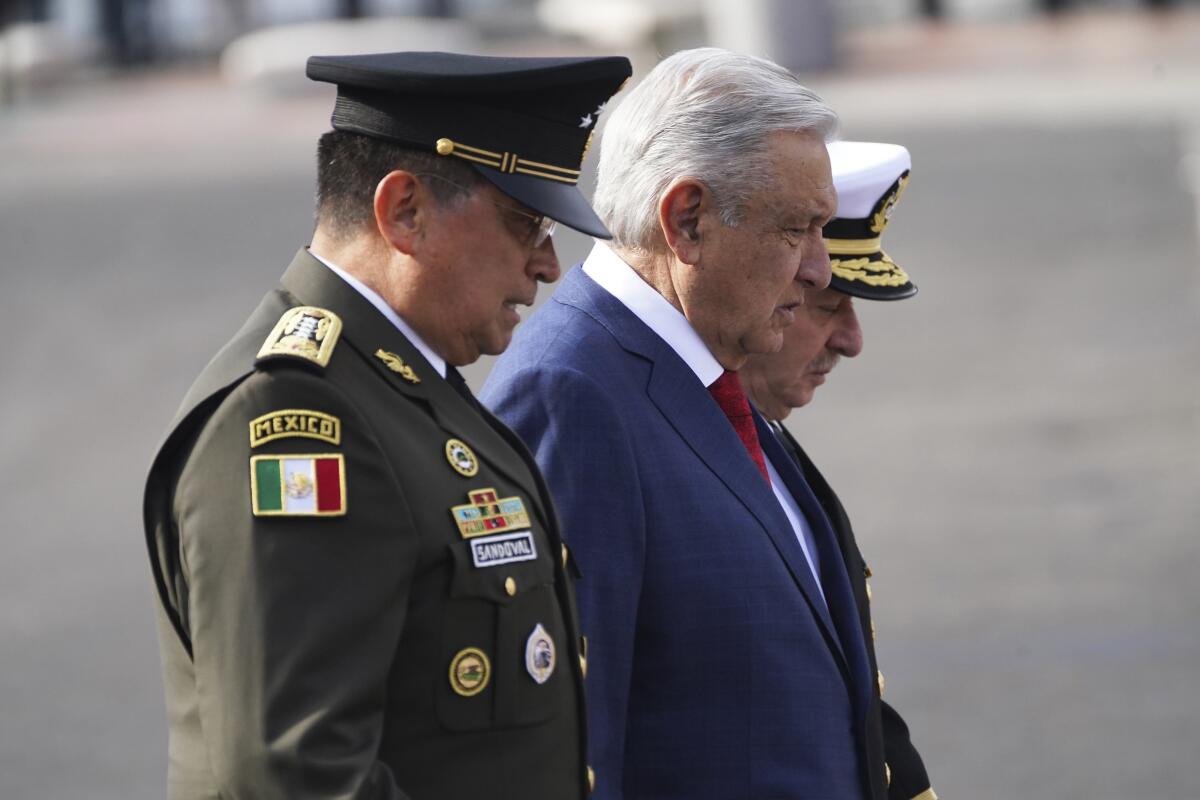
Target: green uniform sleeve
point(295, 617)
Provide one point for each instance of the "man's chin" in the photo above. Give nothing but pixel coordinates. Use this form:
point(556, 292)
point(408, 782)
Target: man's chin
point(497, 343)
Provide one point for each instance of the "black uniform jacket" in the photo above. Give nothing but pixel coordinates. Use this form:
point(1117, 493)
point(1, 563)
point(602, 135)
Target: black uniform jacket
point(371, 650)
point(905, 772)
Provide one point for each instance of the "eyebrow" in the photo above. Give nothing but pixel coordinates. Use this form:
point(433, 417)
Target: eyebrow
point(793, 218)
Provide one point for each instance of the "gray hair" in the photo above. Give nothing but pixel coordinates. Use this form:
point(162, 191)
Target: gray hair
point(703, 113)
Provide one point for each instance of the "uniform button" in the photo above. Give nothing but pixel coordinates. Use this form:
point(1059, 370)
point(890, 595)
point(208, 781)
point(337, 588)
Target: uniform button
point(879, 675)
point(870, 597)
point(591, 779)
point(583, 665)
point(888, 771)
point(564, 556)
point(867, 571)
point(510, 586)
point(872, 629)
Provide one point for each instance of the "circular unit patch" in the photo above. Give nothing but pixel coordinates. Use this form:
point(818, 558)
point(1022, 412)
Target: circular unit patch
point(461, 458)
point(470, 672)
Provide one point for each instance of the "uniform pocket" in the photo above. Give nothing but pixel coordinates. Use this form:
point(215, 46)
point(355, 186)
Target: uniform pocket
point(503, 641)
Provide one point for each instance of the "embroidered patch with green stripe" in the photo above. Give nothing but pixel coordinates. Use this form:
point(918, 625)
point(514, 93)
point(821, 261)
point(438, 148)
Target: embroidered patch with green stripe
point(312, 485)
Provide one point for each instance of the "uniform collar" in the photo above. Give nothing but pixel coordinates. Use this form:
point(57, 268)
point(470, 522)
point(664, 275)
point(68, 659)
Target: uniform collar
point(371, 296)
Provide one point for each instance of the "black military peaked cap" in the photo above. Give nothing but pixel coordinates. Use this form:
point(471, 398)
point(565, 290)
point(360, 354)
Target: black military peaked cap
point(523, 123)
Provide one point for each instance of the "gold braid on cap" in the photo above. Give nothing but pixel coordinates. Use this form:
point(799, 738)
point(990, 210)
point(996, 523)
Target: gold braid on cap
point(872, 273)
point(506, 162)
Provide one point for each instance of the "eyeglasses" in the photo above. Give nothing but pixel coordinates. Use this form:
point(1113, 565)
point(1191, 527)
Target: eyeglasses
point(540, 227)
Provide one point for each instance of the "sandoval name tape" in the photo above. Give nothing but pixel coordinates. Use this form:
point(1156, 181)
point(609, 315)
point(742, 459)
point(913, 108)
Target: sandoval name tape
point(492, 551)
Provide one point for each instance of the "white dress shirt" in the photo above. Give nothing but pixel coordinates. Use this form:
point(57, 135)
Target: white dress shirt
point(618, 278)
point(435, 361)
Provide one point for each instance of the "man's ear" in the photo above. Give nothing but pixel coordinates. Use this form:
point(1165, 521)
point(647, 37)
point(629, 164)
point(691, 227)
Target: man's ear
point(402, 205)
point(680, 210)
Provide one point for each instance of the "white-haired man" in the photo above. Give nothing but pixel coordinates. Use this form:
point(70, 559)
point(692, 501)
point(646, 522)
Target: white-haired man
point(869, 178)
point(726, 657)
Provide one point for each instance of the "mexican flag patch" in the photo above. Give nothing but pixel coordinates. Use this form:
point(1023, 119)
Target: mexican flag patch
point(298, 485)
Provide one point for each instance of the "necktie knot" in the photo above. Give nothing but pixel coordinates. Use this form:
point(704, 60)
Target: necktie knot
point(727, 391)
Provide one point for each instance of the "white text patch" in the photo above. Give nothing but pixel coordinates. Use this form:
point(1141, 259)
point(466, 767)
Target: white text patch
point(492, 551)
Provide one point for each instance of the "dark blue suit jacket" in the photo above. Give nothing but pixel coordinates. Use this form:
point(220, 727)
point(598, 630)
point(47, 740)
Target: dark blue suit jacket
point(714, 668)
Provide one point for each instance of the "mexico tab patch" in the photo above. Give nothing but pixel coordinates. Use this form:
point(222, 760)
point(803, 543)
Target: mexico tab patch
point(298, 485)
point(492, 551)
point(295, 422)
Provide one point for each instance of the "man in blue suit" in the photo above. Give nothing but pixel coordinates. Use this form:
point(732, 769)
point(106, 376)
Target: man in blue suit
point(726, 659)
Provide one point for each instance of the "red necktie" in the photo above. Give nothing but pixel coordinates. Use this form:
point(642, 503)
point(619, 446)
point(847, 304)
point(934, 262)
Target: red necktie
point(727, 391)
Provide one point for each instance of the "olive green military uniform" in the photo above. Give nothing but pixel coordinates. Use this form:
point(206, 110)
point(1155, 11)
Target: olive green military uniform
point(383, 613)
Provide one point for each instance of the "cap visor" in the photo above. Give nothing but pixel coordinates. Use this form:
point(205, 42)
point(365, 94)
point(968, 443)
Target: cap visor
point(871, 276)
point(559, 201)
point(866, 292)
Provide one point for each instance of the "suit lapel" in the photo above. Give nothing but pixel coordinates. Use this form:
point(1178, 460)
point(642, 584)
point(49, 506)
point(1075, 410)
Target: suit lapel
point(689, 408)
point(834, 577)
point(368, 332)
point(821, 488)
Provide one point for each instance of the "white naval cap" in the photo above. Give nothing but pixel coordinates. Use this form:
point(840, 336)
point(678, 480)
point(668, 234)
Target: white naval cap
point(869, 178)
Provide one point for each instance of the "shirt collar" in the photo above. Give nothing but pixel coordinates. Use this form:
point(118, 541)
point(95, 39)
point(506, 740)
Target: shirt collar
point(435, 361)
point(616, 277)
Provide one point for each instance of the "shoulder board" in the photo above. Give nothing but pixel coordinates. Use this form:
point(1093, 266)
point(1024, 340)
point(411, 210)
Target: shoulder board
point(303, 333)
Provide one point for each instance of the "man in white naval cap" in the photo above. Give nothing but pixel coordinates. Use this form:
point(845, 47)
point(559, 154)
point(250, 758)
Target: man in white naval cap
point(869, 178)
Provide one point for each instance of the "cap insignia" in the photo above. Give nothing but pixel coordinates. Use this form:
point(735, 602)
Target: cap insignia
point(506, 162)
point(884, 215)
point(487, 513)
point(586, 121)
point(303, 332)
point(396, 364)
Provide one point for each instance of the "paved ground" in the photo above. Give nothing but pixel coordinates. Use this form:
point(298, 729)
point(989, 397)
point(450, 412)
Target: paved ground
point(1019, 446)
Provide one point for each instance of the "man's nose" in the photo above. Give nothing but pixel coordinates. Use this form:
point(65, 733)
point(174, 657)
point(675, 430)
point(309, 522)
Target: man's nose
point(814, 263)
point(847, 338)
point(543, 262)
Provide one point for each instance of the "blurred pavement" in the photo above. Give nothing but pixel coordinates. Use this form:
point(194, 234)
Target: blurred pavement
point(1019, 446)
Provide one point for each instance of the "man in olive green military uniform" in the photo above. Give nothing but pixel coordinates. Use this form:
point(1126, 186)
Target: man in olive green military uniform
point(363, 591)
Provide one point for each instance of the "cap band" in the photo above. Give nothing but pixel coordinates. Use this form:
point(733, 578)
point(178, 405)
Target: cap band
point(853, 247)
point(506, 162)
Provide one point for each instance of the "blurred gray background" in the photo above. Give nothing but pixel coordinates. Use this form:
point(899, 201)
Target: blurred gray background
point(1019, 446)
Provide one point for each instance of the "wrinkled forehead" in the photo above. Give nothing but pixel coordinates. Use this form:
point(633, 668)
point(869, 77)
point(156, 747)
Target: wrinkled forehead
point(802, 182)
